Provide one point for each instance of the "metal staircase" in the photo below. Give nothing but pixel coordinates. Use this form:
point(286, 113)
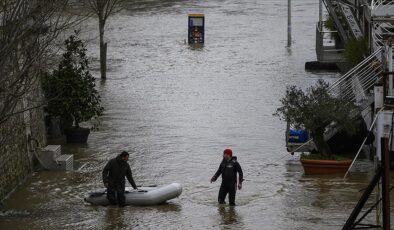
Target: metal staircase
point(382, 18)
point(347, 27)
point(351, 21)
point(344, 19)
point(356, 86)
point(333, 9)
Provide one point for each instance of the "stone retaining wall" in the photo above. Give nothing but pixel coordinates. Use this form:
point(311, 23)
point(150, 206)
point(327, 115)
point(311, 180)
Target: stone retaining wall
point(16, 161)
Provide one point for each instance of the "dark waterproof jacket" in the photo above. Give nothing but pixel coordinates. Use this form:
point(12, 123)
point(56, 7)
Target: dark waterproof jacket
point(114, 174)
point(228, 170)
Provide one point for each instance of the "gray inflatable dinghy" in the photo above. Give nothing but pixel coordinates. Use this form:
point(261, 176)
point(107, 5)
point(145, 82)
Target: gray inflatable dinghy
point(143, 196)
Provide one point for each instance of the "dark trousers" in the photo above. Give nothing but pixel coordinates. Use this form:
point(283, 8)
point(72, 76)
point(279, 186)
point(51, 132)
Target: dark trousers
point(116, 196)
point(227, 188)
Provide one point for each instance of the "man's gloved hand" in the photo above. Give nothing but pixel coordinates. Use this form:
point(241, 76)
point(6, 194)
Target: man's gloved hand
point(239, 186)
point(213, 179)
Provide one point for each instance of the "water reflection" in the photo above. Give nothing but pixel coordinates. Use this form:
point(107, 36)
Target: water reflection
point(175, 108)
point(114, 218)
point(320, 196)
point(229, 216)
point(197, 46)
point(169, 207)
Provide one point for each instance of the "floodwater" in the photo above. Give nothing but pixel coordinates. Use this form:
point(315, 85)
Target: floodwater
point(175, 108)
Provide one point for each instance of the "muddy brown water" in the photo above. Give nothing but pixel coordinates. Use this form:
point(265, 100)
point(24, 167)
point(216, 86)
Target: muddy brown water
point(175, 108)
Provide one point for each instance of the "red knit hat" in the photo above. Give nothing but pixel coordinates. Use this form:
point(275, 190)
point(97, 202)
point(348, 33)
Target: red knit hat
point(228, 152)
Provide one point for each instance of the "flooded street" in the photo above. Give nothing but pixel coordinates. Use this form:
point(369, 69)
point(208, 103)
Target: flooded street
point(175, 108)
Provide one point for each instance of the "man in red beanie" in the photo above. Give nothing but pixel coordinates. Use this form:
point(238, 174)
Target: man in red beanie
point(228, 168)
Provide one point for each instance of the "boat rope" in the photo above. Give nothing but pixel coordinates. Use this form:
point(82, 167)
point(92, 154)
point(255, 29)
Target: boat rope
point(295, 150)
point(362, 145)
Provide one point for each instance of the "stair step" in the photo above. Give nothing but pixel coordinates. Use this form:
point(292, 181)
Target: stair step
point(54, 150)
point(51, 158)
point(65, 162)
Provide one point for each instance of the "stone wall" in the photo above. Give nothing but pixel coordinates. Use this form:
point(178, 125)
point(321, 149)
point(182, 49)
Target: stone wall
point(16, 159)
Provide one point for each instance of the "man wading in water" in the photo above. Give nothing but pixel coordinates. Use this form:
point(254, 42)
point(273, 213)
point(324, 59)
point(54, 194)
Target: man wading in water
point(114, 174)
point(228, 168)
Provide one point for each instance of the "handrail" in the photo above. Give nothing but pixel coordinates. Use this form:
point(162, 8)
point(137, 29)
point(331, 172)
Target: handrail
point(362, 145)
point(377, 3)
point(331, 10)
point(355, 85)
point(356, 68)
point(324, 31)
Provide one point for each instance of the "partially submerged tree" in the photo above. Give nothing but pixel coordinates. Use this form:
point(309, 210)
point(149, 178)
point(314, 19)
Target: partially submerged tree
point(103, 9)
point(28, 31)
point(315, 110)
point(71, 88)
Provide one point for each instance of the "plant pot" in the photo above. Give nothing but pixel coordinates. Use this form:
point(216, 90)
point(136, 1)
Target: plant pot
point(77, 134)
point(321, 167)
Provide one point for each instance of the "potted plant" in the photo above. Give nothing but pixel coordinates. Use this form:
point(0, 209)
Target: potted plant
point(71, 93)
point(315, 110)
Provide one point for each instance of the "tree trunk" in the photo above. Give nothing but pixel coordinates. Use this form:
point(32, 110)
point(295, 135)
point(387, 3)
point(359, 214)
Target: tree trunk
point(103, 50)
point(322, 147)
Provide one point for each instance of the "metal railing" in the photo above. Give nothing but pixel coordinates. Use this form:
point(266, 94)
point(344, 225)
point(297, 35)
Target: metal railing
point(375, 4)
point(332, 8)
point(354, 86)
point(325, 45)
point(381, 31)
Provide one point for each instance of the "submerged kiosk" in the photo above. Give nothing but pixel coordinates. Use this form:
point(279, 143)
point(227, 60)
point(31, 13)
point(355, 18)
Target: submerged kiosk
point(196, 28)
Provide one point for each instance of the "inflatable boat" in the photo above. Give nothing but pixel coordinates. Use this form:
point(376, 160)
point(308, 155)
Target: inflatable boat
point(141, 197)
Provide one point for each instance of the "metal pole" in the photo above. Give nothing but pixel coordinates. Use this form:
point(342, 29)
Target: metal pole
point(288, 23)
point(360, 204)
point(362, 144)
point(320, 15)
point(386, 184)
point(378, 194)
point(390, 65)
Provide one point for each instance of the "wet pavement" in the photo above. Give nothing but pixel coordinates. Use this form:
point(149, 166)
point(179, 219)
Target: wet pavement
point(175, 108)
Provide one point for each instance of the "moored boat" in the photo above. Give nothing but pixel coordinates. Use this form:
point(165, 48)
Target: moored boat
point(141, 197)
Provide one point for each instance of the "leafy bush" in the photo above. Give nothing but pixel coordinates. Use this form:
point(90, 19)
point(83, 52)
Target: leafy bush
point(314, 110)
point(356, 50)
point(70, 89)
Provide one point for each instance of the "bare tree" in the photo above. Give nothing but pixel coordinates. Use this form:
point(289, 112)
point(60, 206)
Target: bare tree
point(103, 9)
point(28, 31)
